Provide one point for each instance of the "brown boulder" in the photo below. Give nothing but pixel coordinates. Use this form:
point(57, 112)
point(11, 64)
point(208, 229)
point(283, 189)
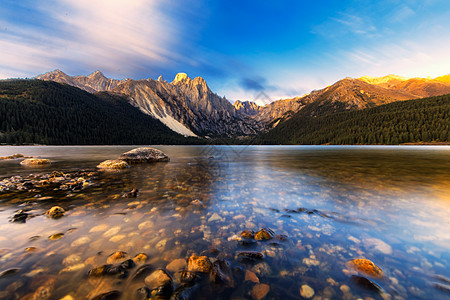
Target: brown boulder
point(35, 162)
point(144, 155)
point(140, 258)
point(260, 290)
point(113, 164)
point(199, 264)
point(116, 256)
point(264, 234)
point(365, 267)
point(248, 234)
point(157, 279)
point(176, 265)
point(55, 212)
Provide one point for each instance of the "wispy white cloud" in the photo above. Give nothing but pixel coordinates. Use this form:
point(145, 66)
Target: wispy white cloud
point(346, 23)
point(355, 24)
point(402, 13)
point(117, 36)
point(407, 58)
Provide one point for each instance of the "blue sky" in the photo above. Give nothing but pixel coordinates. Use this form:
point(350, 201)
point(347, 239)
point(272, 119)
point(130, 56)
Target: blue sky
point(283, 48)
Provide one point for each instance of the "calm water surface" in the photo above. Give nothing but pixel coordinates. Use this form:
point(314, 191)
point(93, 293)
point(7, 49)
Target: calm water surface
point(387, 204)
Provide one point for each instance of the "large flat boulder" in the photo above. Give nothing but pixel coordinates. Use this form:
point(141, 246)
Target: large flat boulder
point(144, 155)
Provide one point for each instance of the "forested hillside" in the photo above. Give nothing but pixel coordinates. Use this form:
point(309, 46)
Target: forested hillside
point(45, 112)
point(413, 121)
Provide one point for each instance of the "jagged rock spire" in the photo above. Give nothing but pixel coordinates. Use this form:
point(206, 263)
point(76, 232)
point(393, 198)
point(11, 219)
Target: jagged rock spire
point(180, 77)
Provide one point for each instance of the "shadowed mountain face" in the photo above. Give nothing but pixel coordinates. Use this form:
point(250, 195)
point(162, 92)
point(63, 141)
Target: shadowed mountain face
point(185, 105)
point(189, 107)
point(46, 112)
point(247, 107)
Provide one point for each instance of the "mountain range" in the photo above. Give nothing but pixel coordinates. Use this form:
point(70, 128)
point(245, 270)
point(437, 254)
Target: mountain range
point(185, 105)
point(189, 107)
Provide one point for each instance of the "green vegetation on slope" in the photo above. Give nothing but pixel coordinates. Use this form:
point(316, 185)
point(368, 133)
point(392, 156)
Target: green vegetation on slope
point(413, 121)
point(45, 112)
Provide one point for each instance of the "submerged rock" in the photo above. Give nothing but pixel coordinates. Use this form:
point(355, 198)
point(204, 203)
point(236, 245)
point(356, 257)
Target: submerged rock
point(14, 156)
point(71, 260)
point(98, 271)
point(113, 164)
point(306, 291)
point(176, 265)
point(442, 278)
point(186, 277)
point(262, 269)
point(9, 272)
point(366, 267)
point(215, 217)
point(55, 212)
point(56, 236)
point(199, 264)
point(249, 255)
point(142, 272)
point(366, 283)
point(160, 281)
point(19, 217)
point(30, 249)
point(281, 237)
point(132, 194)
point(251, 276)
point(221, 273)
point(108, 296)
point(264, 234)
point(144, 155)
point(35, 162)
point(116, 256)
point(140, 258)
point(260, 290)
point(127, 264)
point(81, 241)
point(45, 291)
point(185, 292)
point(248, 234)
point(143, 293)
point(442, 287)
point(197, 202)
point(119, 270)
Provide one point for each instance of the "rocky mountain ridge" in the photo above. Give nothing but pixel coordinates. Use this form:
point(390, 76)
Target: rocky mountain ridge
point(355, 94)
point(247, 107)
point(92, 83)
point(189, 107)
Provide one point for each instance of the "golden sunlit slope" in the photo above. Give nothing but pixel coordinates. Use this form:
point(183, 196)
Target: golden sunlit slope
point(355, 94)
point(418, 87)
point(346, 94)
point(444, 78)
point(383, 81)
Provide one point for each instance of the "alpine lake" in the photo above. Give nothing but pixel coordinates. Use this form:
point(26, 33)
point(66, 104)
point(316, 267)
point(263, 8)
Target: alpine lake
point(227, 222)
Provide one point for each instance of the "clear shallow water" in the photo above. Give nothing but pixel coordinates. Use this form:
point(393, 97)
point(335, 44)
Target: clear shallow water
point(387, 204)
